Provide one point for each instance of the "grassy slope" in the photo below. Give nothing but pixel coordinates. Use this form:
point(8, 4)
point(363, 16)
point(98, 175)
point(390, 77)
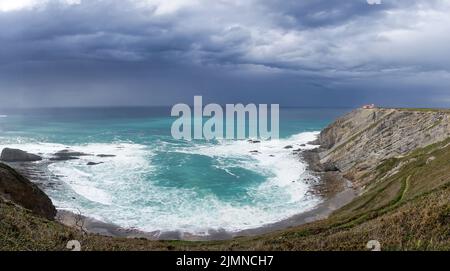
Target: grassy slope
point(407, 207)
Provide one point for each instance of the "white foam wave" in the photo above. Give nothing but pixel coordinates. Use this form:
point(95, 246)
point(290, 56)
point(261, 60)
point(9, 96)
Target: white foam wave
point(282, 195)
point(273, 158)
point(92, 182)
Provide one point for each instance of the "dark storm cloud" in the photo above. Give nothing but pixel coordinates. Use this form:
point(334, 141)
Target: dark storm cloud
point(310, 13)
point(311, 52)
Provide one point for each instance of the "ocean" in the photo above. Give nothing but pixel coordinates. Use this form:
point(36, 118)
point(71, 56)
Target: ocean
point(156, 183)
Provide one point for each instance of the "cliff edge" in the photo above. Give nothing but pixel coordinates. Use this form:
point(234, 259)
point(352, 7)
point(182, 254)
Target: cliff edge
point(357, 143)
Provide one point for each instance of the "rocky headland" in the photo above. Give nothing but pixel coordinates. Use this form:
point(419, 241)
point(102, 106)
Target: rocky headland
point(358, 142)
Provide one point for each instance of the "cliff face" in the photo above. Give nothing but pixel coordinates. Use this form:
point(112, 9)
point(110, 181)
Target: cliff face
point(19, 190)
point(358, 142)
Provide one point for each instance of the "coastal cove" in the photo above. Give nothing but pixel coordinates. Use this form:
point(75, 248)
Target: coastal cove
point(259, 187)
point(400, 198)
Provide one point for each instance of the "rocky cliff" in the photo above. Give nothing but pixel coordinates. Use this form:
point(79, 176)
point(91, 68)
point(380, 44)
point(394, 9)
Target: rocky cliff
point(18, 190)
point(357, 143)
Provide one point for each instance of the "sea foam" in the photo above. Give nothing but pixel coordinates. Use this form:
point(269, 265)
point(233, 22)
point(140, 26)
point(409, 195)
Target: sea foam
point(124, 189)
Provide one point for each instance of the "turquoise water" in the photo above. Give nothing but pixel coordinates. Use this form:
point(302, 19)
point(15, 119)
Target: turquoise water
point(156, 183)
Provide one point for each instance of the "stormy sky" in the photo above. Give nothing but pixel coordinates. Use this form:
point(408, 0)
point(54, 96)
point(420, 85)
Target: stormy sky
point(160, 52)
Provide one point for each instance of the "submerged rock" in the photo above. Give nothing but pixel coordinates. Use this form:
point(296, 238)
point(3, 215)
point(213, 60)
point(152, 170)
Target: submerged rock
point(65, 155)
point(105, 155)
point(94, 163)
point(16, 155)
point(70, 153)
point(63, 158)
point(16, 188)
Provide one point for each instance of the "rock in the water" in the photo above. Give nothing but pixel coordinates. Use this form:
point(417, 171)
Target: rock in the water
point(16, 155)
point(65, 158)
point(67, 155)
point(70, 153)
point(106, 155)
point(94, 163)
point(288, 147)
point(16, 188)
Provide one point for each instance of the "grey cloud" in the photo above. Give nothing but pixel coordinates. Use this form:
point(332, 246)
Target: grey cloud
point(305, 47)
